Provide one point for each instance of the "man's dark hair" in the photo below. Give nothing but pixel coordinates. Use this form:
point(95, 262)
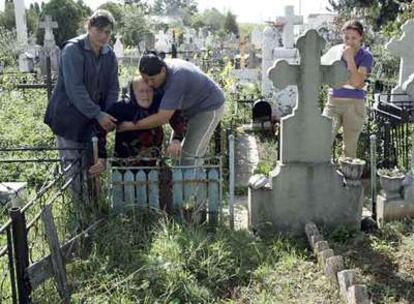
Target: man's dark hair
point(151, 64)
point(101, 18)
point(353, 25)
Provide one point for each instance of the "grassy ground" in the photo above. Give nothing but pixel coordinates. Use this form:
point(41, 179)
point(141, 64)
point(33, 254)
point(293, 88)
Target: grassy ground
point(149, 259)
point(384, 260)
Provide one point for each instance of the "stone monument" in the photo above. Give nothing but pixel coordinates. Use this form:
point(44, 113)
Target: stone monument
point(403, 48)
point(305, 185)
point(50, 49)
point(118, 47)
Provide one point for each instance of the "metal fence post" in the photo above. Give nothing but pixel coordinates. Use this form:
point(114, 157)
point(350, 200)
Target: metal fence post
point(231, 180)
point(373, 157)
point(21, 253)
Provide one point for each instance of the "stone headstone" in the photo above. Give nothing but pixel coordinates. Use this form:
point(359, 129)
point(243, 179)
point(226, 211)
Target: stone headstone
point(149, 41)
point(48, 25)
point(25, 63)
point(49, 47)
point(163, 42)
point(403, 48)
point(13, 194)
point(245, 76)
point(119, 47)
point(289, 20)
point(305, 184)
point(256, 38)
point(269, 43)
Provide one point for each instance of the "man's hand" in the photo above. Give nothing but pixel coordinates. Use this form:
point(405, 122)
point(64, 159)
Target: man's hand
point(97, 168)
point(174, 148)
point(108, 122)
point(126, 126)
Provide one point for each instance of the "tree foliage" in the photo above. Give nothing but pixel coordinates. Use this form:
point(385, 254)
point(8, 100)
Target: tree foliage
point(377, 13)
point(69, 15)
point(134, 25)
point(230, 24)
point(8, 19)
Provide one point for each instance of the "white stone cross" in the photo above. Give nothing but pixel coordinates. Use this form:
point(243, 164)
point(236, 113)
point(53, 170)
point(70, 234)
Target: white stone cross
point(118, 47)
point(403, 47)
point(290, 20)
point(309, 131)
point(48, 25)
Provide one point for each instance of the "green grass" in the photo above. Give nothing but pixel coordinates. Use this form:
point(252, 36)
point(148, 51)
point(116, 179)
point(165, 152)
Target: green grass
point(147, 258)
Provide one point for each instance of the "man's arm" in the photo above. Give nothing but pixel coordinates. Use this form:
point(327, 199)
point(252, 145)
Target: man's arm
point(152, 121)
point(113, 91)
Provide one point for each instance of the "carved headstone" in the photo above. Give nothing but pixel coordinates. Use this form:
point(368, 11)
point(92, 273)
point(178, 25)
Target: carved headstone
point(305, 184)
point(403, 48)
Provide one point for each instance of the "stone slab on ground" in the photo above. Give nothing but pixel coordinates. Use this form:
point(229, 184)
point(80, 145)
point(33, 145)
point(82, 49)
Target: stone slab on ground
point(247, 158)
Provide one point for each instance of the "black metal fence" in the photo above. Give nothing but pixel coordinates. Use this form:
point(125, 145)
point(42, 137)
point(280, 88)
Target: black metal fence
point(22, 236)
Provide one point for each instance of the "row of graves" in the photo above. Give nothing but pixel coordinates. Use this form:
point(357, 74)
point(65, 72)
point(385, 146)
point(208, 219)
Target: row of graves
point(306, 187)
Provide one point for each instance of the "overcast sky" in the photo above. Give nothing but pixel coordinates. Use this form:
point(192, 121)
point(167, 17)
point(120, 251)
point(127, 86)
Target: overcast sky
point(246, 11)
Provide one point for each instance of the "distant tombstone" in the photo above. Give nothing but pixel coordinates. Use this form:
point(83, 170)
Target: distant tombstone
point(245, 76)
point(253, 62)
point(149, 41)
point(49, 47)
point(162, 42)
point(21, 28)
point(256, 38)
point(269, 43)
point(289, 20)
point(118, 47)
point(305, 184)
point(403, 48)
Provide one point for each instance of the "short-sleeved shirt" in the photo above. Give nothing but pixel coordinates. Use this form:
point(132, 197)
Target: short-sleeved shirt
point(190, 90)
point(363, 58)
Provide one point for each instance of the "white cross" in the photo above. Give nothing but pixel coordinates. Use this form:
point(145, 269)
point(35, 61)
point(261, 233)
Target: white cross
point(290, 20)
point(48, 25)
point(403, 47)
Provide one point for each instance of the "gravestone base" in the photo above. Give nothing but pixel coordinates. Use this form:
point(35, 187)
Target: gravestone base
point(302, 192)
point(394, 209)
point(13, 194)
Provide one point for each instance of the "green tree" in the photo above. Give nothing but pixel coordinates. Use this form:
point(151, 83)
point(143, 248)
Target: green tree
point(230, 24)
point(134, 25)
point(378, 13)
point(8, 19)
point(69, 15)
point(213, 19)
point(115, 9)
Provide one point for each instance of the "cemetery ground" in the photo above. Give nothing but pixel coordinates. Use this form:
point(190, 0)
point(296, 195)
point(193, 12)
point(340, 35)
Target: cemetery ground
point(146, 257)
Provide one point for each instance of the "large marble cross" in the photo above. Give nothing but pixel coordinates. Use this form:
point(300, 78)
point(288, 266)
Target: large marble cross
point(403, 48)
point(290, 20)
point(48, 25)
point(310, 132)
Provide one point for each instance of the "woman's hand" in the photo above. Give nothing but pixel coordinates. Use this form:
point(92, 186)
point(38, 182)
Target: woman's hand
point(125, 126)
point(97, 168)
point(174, 148)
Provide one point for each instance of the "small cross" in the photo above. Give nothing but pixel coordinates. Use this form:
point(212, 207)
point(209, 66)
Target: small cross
point(289, 20)
point(48, 25)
